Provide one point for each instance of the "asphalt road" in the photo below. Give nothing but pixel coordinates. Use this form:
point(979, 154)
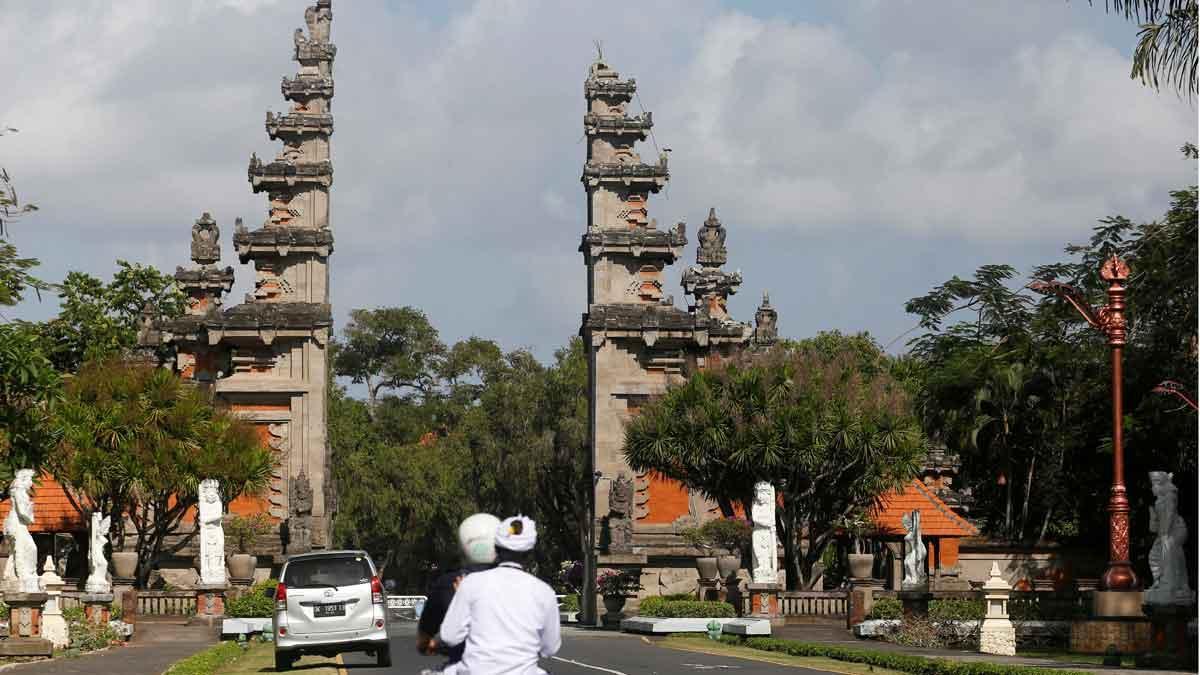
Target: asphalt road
point(583, 653)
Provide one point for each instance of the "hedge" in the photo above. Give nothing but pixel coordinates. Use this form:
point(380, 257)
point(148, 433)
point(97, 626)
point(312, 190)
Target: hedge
point(207, 661)
point(920, 665)
point(252, 603)
point(661, 607)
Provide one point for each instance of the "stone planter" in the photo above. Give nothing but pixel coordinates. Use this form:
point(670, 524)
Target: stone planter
point(241, 565)
point(124, 564)
point(728, 565)
point(707, 567)
point(861, 565)
point(613, 606)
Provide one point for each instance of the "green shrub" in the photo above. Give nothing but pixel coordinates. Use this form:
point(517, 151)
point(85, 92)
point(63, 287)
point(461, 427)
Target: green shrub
point(680, 596)
point(907, 663)
point(886, 608)
point(957, 610)
point(253, 604)
point(115, 611)
point(674, 609)
point(570, 603)
point(84, 635)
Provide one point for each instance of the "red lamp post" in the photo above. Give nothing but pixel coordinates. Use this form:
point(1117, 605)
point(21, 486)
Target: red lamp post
point(1110, 320)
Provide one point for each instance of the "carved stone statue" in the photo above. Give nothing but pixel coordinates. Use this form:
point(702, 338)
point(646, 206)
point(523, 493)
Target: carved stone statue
point(712, 251)
point(212, 536)
point(318, 17)
point(300, 520)
point(620, 514)
point(762, 538)
point(914, 552)
point(97, 581)
point(206, 249)
point(1168, 562)
point(16, 528)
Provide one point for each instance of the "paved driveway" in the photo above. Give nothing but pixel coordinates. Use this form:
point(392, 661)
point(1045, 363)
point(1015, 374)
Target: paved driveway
point(583, 653)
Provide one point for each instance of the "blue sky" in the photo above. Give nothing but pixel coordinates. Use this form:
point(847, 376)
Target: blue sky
point(858, 152)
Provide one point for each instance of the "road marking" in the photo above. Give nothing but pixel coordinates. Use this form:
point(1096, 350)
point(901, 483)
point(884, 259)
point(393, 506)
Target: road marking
point(341, 665)
point(585, 665)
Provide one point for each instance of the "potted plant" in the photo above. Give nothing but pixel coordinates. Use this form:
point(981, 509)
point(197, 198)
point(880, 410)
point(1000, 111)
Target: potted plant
point(731, 534)
point(242, 534)
point(615, 587)
point(856, 526)
point(706, 565)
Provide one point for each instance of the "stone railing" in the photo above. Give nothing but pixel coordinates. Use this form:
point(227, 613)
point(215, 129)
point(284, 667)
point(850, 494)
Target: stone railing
point(166, 603)
point(830, 604)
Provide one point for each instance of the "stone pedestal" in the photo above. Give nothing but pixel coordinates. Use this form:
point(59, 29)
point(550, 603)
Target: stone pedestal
point(765, 602)
point(97, 607)
point(54, 625)
point(915, 602)
point(709, 589)
point(1117, 604)
point(1125, 635)
point(1170, 645)
point(859, 601)
point(997, 635)
point(210, 600)
point(25, 626)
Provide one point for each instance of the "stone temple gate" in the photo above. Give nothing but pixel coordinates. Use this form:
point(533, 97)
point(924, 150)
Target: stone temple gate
point(267, 357)
point(639, 341)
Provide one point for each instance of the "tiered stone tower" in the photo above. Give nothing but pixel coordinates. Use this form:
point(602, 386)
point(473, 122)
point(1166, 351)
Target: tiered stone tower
point(639, 342)
point(268, 357)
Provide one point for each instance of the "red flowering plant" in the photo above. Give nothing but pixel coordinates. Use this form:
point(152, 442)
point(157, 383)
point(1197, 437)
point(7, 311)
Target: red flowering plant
point(612, 583)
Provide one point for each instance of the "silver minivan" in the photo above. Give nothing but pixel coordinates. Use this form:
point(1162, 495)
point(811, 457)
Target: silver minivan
point(329, 603)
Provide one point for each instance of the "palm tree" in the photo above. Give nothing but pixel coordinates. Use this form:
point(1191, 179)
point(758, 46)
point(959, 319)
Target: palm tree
point(1166, 47)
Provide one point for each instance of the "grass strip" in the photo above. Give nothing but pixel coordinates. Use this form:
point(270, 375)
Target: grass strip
point(703, 645)
point(207, 661)
point(905, 663)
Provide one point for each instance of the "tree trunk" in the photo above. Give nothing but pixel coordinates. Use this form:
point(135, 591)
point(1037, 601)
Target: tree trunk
point(788, 539)
point(1045, 524)
point(1025, 505)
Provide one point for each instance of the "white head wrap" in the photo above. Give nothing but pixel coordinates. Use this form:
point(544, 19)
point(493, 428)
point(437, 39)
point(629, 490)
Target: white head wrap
point(517, 534)
point(477, 538)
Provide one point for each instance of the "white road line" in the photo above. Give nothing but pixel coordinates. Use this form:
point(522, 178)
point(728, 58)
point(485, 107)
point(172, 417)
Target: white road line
point(584, 665)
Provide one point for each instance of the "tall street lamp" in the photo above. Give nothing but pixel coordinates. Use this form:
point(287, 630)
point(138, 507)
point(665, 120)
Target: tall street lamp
point(1110, 320)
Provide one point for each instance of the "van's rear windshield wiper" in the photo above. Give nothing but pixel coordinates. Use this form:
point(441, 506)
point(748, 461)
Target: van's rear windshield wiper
point(317, 585)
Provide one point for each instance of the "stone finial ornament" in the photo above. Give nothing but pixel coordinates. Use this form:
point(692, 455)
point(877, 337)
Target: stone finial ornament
point(212, 535)
point(762, 538)
point(766, 320)
point(712, 251)
point(206, 247)
point(914, 552)
point(97, 581)
point(1168, 561)
point(997, 634)
point(16, 528)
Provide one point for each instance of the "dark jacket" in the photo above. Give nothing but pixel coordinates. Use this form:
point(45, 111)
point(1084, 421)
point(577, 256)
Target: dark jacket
point(441, 592)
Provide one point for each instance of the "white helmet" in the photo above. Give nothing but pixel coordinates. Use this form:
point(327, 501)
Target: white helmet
point(477, 538)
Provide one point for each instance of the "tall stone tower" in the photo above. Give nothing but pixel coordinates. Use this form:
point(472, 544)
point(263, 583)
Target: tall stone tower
point(638, 341)
point(268, 356)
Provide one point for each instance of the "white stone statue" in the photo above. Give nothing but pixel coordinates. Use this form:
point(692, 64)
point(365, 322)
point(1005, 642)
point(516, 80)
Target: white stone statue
point(97, 581)
point(1168, 563)
point(762, 539)
point(212, 537)
point(914, 552)
point(16, 528)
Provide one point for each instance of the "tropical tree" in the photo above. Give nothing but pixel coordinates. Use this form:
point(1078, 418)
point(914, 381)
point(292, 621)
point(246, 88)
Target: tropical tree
point(1166, 46)
point(393, 348)
point(822, 420)
point(136, 440)
point(29, 385)
point(14, 270)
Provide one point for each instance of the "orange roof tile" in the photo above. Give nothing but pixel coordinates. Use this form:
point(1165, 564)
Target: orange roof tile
point(52, 509)
point(937, 519)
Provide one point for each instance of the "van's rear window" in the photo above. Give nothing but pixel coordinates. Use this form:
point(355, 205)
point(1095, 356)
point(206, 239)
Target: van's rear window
point(327, 571)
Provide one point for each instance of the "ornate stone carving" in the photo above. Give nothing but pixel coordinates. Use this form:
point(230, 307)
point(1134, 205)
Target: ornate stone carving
point(766, 331)
point(97, 581)
point(1168, 561)
point(997, 634)
point(762, 539)
point(914, 552)
point(212, 535)
point(620, 514)
point(318, 18)
point(16, 528)
point(206, 249)
point(300, 529)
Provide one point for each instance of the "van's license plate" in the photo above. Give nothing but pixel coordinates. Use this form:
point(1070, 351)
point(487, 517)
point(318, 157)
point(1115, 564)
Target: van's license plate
point(330, 609)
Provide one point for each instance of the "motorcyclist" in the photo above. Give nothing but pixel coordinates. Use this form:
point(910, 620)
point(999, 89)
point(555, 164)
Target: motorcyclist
point(477, 540)
point(507, 617)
